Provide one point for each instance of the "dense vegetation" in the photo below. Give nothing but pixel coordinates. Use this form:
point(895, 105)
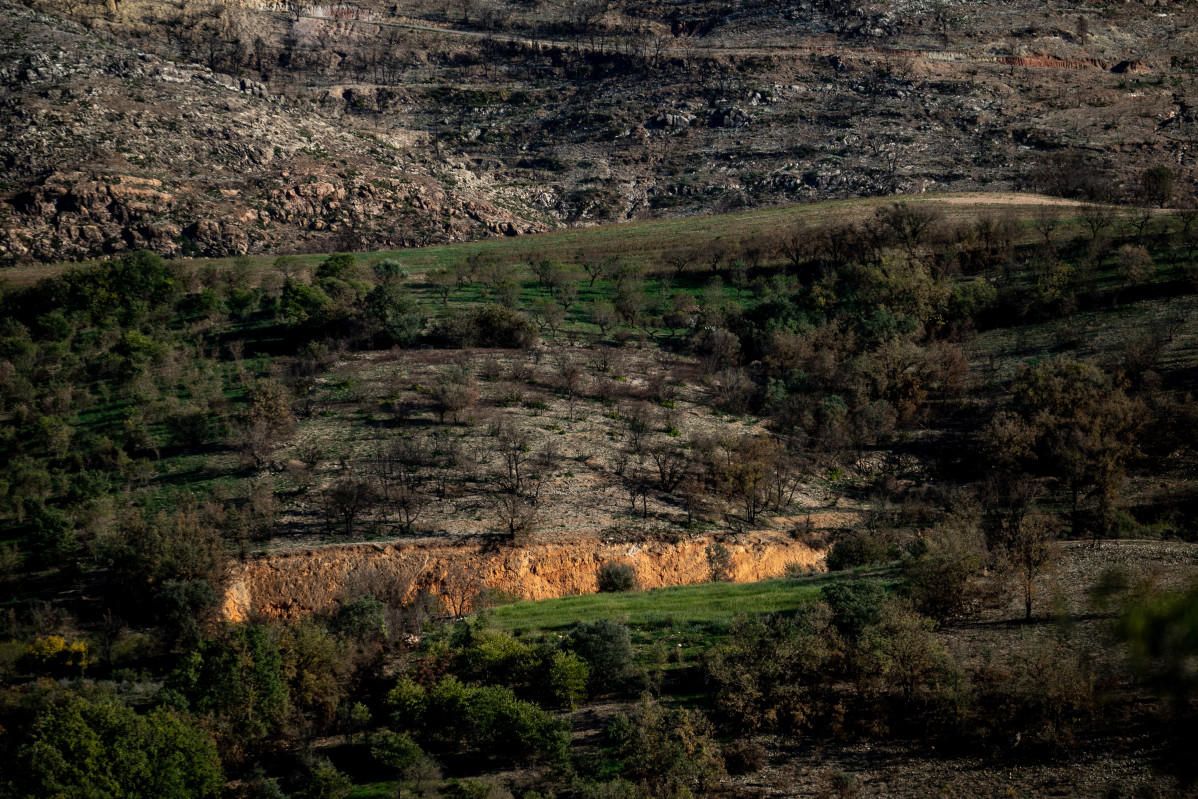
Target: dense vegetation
point(147, 406)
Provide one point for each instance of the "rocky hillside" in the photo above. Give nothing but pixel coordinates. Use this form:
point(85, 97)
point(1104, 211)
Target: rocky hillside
point(214, 129)
point(106, 148)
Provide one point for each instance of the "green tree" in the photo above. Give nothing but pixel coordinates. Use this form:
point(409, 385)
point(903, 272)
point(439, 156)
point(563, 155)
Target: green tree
point(236, 680)
point(83, 747)
point(301, 304)
point(606, 647)
point(396, 313)
point(566, 680)
point(1084, 428)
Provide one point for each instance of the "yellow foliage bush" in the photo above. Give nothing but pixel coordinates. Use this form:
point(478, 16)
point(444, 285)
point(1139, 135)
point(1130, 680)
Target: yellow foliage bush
point(54, 653)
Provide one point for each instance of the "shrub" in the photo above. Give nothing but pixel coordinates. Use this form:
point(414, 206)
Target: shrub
point(607, 649)
point(566, 681)
point(771, 675)
point(489, 326)
point(55, 655)
point(669, 753)
point(617, 577)
point(944, 578)
point(481, 717)
point(855, 605)
point(324, 780)
point(861, 549)
point(743, 756)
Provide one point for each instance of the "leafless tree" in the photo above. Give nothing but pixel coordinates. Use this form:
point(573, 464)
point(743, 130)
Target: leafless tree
point(672, 463)
point(460, 589)
point(1096, 218)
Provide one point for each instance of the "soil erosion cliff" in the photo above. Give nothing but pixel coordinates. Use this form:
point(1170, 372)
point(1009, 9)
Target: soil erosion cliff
point(290, 584)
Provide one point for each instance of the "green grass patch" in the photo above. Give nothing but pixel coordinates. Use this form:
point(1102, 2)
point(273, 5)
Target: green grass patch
point(708, 605)
point(372, 790)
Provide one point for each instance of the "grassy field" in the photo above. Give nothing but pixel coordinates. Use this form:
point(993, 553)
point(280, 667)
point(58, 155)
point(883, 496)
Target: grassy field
point(711, 605)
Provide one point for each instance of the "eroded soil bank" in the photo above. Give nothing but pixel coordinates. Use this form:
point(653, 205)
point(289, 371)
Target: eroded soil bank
point(291, 584)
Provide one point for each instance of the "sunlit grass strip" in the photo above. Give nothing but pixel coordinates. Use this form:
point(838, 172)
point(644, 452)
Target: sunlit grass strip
point(705, 603)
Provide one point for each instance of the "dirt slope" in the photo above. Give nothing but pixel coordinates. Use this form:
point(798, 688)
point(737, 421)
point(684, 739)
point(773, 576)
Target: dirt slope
point(291, 584)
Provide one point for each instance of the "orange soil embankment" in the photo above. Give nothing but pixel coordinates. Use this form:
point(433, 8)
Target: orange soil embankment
point(291, 584)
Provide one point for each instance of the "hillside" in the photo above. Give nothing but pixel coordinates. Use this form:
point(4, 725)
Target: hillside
point(864, 496)
point(221, 129)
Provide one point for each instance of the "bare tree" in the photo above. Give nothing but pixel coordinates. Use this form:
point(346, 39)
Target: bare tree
point(459, 589)
point(1031, 550)
point(1096, 218)
point(1047, 219)
point(517, 513)
point(672, 464)
point(345, 501)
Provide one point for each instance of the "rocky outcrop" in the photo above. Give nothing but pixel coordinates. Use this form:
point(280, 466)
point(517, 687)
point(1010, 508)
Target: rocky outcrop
point(291, 584)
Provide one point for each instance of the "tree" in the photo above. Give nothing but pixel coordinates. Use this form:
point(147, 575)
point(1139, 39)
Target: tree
point(901, 655)
point(1156, 185)
point(346, 500)
point(606, 647)
point(771, 674)
point(397, 751)
point(944, 578)
point(266, 422)
point(236, 681)
point(455, 390)
point(396, 313)
point(1084, 429)
point(909, 225)
point(101, 747)
point(444, 283)
point(671, 753)
point(754, 474)
point(1096, 218)
point(1030, 550)
point(325, 781)
point(629, 301)
point(1135, 264)
point(459, 589)
point(595, 266)
point(603, 314)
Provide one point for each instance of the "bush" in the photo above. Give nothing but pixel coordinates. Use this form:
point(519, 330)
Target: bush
point(482, 717)
point(861, 549)
point(616, 577)
point(771, 675)
point(743, 756)
point(54, 655)
point(325, 781)
point(944, 578)
point(489, 326)
point(566, 681)
point(855, 605)
point(670, 753)
point(607, 648)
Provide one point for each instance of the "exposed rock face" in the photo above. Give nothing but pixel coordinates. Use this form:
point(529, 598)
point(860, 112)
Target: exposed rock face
point(291, 584)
